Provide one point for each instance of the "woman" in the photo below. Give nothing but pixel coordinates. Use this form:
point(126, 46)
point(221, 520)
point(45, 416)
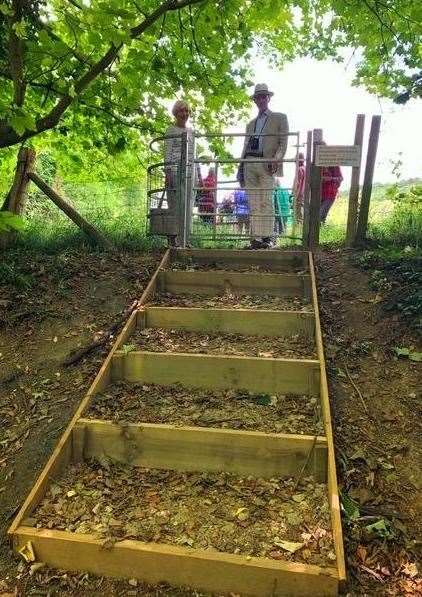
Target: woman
point(172, 156)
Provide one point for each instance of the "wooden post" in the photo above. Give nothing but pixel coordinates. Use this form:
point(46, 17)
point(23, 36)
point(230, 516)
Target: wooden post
point(90, 230)
point(315, 200)
point(307, 190)
point(367, 181)
point(352, 213)
point(15, 200)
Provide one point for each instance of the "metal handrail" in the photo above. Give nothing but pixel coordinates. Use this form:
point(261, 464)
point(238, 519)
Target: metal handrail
point(217, 135)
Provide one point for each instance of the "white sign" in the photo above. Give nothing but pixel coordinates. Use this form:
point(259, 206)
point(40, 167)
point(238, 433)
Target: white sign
point(338, 155)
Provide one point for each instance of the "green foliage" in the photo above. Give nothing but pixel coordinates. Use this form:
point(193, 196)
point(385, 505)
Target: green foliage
point(117, 209)
point(10, 221)
point(404, 224)
point(350, 507)
point(103, 71)
point(397, 275)
point(408, 353)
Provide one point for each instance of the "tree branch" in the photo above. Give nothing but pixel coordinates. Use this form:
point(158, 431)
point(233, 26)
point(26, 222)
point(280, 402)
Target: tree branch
point(8, 136)
point(76, 4)
point(16, 54)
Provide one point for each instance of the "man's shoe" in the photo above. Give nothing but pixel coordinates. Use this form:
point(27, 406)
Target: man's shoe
point(256, 244)
point(267, 243)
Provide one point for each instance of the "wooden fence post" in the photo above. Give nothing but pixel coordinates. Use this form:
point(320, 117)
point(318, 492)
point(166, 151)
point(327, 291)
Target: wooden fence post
point(88, 228)
point(315, 201)
point(367, 181)
point(354, 185)
point(307, 190)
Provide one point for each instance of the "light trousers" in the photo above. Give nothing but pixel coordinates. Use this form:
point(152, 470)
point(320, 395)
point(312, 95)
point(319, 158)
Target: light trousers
point(261, 207)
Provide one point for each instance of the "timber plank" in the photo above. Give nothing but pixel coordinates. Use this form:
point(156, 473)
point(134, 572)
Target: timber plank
point(155, 563)
point(295, 376)
point(242, 257)
point(216, 282)
point(216, 450)
point(233, 321)
point(333, 494)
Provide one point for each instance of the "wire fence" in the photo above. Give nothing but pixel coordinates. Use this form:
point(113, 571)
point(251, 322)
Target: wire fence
point(117, 209)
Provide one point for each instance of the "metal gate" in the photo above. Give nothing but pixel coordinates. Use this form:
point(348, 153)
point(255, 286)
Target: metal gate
point(181, 206)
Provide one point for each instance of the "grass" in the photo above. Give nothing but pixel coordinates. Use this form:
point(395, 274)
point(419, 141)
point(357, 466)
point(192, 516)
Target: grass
point(119, 212)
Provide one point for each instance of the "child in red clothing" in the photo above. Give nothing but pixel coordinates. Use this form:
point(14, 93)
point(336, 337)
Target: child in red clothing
point(331, 181)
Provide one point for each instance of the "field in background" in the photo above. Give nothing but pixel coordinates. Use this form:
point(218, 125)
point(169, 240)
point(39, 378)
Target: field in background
point(118, 209)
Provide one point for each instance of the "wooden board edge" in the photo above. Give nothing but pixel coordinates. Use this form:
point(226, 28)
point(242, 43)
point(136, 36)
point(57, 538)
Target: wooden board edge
point(152, 284)
point(155, 562)
point(301, 321)
point(212, 254)
point(240, 256)
point(220, 273)
point(321, 440)
point(240, 452)
point(123, 362)
point(306, 362)
point(101, 380)
point(325, 404)
point(307, 314)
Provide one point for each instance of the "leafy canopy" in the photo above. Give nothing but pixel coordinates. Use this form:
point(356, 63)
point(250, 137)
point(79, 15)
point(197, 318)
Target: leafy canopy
point(99, 72)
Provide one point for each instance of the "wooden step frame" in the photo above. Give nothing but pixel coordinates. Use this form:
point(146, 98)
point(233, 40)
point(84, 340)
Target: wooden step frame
point(212, 283)
point(292, 259)
point(229, 321)
point(151, 562)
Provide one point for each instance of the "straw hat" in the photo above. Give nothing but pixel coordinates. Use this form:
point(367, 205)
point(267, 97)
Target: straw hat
point(261, 89)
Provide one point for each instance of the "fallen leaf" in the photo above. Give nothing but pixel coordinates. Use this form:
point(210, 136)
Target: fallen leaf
point(35, 567)
point(289, 546)
point(27, 552)
point(410, 569)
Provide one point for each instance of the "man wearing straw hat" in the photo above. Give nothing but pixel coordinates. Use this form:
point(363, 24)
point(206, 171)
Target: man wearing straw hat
point(266, 137)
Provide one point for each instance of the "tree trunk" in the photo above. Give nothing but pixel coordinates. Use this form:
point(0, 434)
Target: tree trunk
point(16, 197)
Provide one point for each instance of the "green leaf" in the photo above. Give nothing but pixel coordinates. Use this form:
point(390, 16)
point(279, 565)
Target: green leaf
point(350, 507)
point(20, 28)
point(416, 356)
point(22, 121)
point(402, 352)
point(381, 528)
point(10, 221)
point(264, 399)
point(6, 10)
point(126, 348)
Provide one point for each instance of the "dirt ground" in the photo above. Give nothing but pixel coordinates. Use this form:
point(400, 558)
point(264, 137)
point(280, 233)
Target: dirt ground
point(217, 512)
point(376, 408)
point(176, 405)
point(49, 305)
